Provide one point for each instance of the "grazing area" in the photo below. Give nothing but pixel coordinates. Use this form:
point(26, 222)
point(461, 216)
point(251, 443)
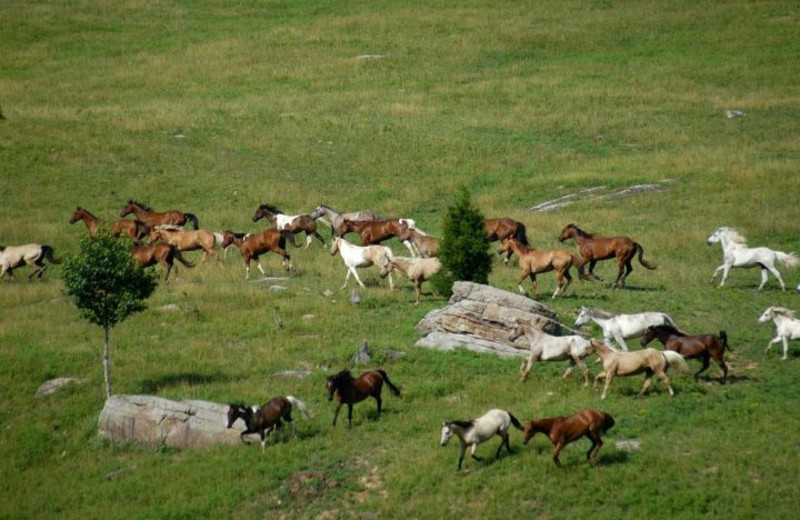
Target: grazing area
point(213, 108)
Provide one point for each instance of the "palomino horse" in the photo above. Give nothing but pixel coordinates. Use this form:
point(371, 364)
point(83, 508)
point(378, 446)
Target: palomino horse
point(416, 269)
point(422, 245)
point(786, 326)
point(335, 219)
point(535, 261)
point(253, 245)
point(292, 223)
point(33, 255)
point(161, 254)
point(375, 231)
point(564, 430)
point(622, 326)
point(187, 240)
point(648, 360)
point(503, 228)
point(544, 347)
point(156, 218)
point(357, 256)
point(703, 346)
point(350, 391)
point(266, 418)
point(594, 248)
point(473, 432)
point(133, 229)
point(735, 253)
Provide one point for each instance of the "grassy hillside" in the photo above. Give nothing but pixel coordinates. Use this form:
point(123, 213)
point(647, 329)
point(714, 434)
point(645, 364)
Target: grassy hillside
point(215, 107)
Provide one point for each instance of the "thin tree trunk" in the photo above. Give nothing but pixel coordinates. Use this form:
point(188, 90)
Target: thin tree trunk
point(107, 364)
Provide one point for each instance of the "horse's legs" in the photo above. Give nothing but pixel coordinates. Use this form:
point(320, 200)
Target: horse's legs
point(725, 270)
point(473, 450)
point(706, 364)
point(462, 450)
point(261, 269)
point(598, 377)
point(592, 263)
point(527, 367)
point(418, 290)
point(665, 378)
point(353, 270)
point(350, 415)
point(724, 369)
point(584, 369)
point(247, 268)
point(380, 404)
point(785, 347)
point(525, 274)
point(568, 371)
point(764, 278)
point(777, 275)
point(336, 413)
point(608, 375)
point(773, 340)
point(318, 237)
point(597, 442)
point(620, 272)
point(559, 447)
point(714, 274)
point(621, 342)
point(559, 284)
point(648, 380)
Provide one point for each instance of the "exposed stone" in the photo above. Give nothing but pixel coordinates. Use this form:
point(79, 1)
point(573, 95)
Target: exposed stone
point(629, 445)
point(363, 354)
point(170, 307)
point(295, 374)
point(276, 288)
point(391, 355)
point(54, 385)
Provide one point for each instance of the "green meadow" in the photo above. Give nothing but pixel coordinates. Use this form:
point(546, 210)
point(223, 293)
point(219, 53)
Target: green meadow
point(214, 107)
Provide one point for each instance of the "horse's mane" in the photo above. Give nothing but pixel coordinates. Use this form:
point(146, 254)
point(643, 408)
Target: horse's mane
point(783, 311)
point(604, 315)
point(734, 236)
point(342, 378)
point(143, 206)
point(271, 208)
point(670, 329)
point(581, 232)
point(464, 423)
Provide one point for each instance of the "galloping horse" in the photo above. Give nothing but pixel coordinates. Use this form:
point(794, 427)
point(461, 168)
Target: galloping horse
point(263, 419)
point(358, 256)
point(253, 245)
point(351, 391)
point(735, 253)
point(133, 229)
point(473, 432)
point(33, 255)
point(161, 254)
point(422, 245)
point(416, 269)
point(786, 326)
point(187, 240)
point(648, 360)
point(564, 430)
point(292, 223)
point(621, 326)
point(594, 248)
point(534, 261)
point(375, 231)
point(503, 228)
point(336, 219)
point(156, 218)
point(703, 346)
point(544, 347)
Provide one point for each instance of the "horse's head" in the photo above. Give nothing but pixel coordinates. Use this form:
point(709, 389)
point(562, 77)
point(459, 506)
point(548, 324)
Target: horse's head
point(715, 237)
point(265, 210)
point(505, 245)
point(518, 330)
point(77, 215)
point(386, 265)
point(529, 431)
point(649, 335)
point(567, 233)
point(583, 318)
point(130, 207)
point(766, 316)
point(236, 411)
point(330, 385)
point(447, 432)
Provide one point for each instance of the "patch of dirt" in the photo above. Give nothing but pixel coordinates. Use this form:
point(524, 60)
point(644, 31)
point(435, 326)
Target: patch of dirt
point(305, 485)
point(371, 483)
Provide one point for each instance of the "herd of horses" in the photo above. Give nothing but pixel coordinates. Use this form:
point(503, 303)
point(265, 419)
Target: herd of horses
point(160, 238)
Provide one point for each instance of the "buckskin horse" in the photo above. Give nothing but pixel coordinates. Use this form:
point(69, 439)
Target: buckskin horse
point(564, 430)
point(503, 228)
point(133, 229)
point(648, 360)
point(157, 218)
point(187, 240)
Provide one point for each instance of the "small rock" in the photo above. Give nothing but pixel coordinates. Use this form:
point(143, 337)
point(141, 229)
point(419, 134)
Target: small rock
point(355, 298)
point(170, 307)
point(118, 472)
point(630, 446)
point(309, 316)
point(362, 355)
point(391, 355)
point(368, 57)
point(294, 374)
point(327, 293)
point(730, 114)
point(276, 288)
point(54, 385)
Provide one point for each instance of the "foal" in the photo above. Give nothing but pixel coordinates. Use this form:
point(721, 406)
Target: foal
point(263, 419)
point(161, 254)
point(475, 431)
point(703, 346)
point(564, 430)
point(351, 391)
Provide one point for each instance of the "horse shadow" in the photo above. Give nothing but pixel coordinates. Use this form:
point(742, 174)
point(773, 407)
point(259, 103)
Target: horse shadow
point(149, 386)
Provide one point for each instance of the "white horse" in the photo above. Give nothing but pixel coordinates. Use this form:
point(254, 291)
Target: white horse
point(416, 269)
point(735, 253)
point(786, 326)
point(33, 255)
point(544, 347)
point(622, 326)
point(475, 431)
point(360, 256)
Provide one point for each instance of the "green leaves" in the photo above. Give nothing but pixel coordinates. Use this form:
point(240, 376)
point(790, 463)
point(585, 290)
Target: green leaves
point(465, 246)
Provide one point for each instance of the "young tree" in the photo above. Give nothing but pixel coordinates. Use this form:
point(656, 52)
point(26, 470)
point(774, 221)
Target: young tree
point(107, 286)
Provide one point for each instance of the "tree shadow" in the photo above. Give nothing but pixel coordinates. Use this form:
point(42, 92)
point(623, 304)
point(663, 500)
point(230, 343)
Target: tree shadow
point(150, 386)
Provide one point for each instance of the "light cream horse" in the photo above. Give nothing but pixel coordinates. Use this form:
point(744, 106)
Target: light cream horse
point(648, 360)
point(360, 256)
point(416, 269)
point(33, 255)
point(786, 327)
point(186, 240)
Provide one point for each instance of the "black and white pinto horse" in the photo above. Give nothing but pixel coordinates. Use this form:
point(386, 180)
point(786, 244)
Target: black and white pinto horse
point(266, 418)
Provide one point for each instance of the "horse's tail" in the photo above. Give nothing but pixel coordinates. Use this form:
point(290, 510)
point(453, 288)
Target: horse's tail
point(191, 217)
point(300, 405)
point(676, 359)
point(520, 234)
point(724, 337)
point(394, 389)
point(288, 236)
point(642, 261)
point(181, 259)
point(47, 252)
point(577, 261)
point(515, 421)
point(787, 259)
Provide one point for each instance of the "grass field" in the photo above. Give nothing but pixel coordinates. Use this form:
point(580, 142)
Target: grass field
point(214, 107)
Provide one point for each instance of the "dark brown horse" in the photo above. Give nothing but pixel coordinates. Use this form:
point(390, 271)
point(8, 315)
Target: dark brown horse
point(161, 254)
point(253, 245)
point(564, 430)
point(293, 223)
point(133, 229)
point(157, 218)
point(594, 248)
point(351, 391)
point(694, 346)
point(503, 228)
point(375, 231)
point(266, 418)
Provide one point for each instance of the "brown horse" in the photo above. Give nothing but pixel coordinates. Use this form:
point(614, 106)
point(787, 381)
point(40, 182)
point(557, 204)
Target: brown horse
point(351, 391)
point(703, 346)
point(534, 261)
point(187, 240)
point(263, 419)
point(161, 254)
point(293, 223)
point(33, 255)
point(156, 218)
point(375, 231)
point(253, 245)
point(564, 430)
point(648, 360)
point(503, 228)
point(423, 245)
point(594, 248)
point(133, 229)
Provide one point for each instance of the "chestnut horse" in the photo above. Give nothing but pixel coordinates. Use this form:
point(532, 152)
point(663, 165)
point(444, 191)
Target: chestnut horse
point(156, 218)
point(564, 430)
point(336, 219)
point(534, 261)
point(33, 255)
point(263, 419)
point(503, 228)
point(703, 346)
point(293, 223)
point(375, 231)
point(161, 254)
point(253, 245)
point(133, 229)
point(422, 245)
point(594, 248)
point(187, 240)
point(351, 391)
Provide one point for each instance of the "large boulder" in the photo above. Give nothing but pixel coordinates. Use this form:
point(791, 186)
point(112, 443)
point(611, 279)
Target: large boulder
point(480, 317)
point(156, 421)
